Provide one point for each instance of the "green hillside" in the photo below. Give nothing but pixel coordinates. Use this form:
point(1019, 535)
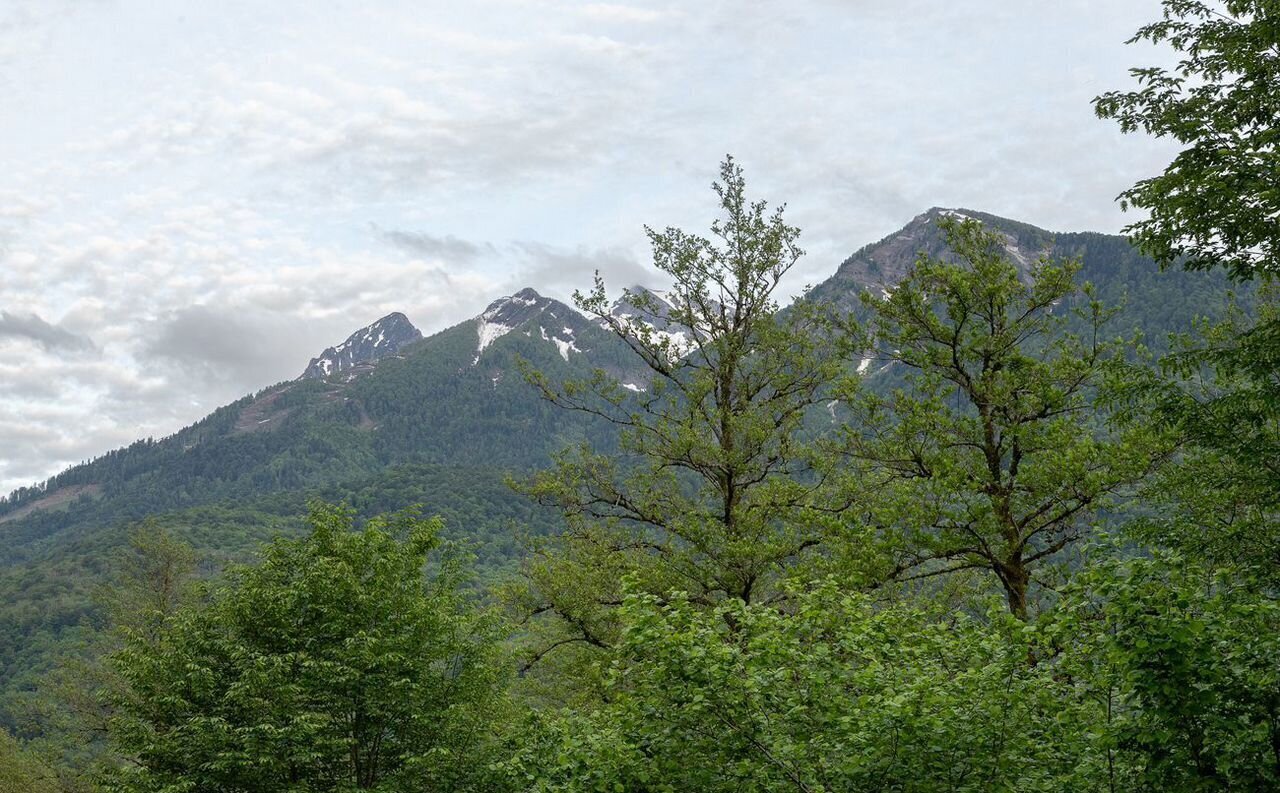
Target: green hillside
point(435, 426)
point(442, 424)
point(1153, 301)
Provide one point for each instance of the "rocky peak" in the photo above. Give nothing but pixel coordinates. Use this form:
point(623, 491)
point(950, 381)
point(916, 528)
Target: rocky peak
point(550, 319)
point(640, 307)
point(365, 347)
point(878, 267)
point(656, 311)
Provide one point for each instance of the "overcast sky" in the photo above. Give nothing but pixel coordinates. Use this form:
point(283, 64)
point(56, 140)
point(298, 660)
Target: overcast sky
point(196, 197)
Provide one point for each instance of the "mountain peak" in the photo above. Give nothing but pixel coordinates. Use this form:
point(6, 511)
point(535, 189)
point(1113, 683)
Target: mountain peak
point(365, 347)
point(656, 311)
point(556, 321)
point(881, 265)
point(526, 294)
point(513, 310)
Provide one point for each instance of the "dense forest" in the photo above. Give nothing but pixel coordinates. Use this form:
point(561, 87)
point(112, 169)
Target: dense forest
point(971, 530)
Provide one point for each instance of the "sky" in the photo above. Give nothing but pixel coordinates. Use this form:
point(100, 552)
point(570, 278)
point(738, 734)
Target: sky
point(196, 198)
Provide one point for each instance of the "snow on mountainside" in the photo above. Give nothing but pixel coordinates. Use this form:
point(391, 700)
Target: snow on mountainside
point(561, 325)
point(363, 348)
point(457, 375)
point(575, 333)
point(555, 322)
point(654, 312)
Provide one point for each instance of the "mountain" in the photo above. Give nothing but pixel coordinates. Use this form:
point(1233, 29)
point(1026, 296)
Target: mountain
point(365, 347)
point(653, 310)
point(554, 322)
point(659, 306)
point(389, 418)
point(880, 265)
point(1151, 302)
point(386, 396)
point(449, 398)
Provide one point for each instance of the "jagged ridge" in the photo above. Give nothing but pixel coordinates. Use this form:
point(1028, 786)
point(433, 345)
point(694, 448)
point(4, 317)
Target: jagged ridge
point(365, 347)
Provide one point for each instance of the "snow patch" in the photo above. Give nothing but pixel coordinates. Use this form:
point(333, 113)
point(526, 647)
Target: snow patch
point(1016, 252)
point(679, 343)
point(488, 333)
point(564, 346)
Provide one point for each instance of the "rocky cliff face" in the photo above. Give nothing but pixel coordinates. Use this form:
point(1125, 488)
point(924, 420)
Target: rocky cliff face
point(365, 347)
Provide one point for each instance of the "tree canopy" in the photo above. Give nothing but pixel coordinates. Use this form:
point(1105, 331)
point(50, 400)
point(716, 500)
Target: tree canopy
point(1217, 203)
point(337, 663)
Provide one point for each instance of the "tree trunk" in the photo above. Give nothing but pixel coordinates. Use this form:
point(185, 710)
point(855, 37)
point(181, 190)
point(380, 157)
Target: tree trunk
point(1016, 580)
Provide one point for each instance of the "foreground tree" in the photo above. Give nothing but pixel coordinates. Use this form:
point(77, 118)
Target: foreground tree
point(717, 491)
point(990, 457)
point(1181, 658)
point(839, 693)
point(334, 664)
point(1215, 205)
point(154, 577)
point(1217, 393)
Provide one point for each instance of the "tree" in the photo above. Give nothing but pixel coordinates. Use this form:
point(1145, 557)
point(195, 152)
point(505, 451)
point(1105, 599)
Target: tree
point(1182, 659)
point(1216, 204)
point(154, 582)
point(21, 772)
point(334, 664)
point(839, 692)
point(72, 703)
point(988, 458)
point(717, 489)
point(1216, 392)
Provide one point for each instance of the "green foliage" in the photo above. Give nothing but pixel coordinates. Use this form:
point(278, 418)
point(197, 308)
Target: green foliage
point(1216, 204)
point(334, 664)
point(1148, 675)
point(21, 772)
point(988, 458)
point(837, 694)
point(715, 490)
point(1216, 393)
point(154, 578)
point(49, 611)
point(1184, 660)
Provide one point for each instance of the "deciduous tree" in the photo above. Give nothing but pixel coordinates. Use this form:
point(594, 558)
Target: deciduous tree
point(337, 663)
point(717, 489)
point(990, 457)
